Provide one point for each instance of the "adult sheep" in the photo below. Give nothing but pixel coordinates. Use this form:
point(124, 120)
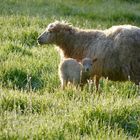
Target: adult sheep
point(117, 49)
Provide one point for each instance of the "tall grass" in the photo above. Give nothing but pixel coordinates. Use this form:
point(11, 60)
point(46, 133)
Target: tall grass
point(32, 104)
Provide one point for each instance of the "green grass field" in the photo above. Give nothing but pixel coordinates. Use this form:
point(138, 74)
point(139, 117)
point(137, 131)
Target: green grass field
point(32, 104)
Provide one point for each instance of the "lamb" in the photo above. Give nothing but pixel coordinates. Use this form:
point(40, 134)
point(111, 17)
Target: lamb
point(86, 71)
point(117, 49)
point(70, 70)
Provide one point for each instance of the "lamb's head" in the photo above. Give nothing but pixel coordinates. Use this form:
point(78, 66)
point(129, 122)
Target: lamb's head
point(54, 33)
point(87, 65)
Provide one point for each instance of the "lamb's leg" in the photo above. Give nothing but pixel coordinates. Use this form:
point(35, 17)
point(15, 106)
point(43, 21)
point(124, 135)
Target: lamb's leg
point(76, 83)
point(63, 84)
point(96, 81)
point(81, 86)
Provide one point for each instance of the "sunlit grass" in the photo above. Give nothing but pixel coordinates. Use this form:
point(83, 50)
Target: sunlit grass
point(32, 104)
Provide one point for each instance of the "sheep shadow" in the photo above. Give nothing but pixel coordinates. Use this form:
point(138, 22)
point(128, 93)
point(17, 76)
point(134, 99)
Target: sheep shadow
point(19, 79)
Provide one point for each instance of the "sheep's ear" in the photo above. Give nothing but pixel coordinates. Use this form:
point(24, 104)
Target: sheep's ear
point(51, 27)
point(94, 60)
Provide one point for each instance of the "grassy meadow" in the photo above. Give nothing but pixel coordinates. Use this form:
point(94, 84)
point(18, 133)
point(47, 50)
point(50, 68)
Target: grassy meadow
point(32, 104)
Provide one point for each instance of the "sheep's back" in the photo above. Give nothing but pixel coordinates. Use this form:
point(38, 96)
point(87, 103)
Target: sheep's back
point(123, 60)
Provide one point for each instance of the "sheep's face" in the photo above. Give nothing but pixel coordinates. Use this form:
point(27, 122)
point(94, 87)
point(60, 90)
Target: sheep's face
point(47, 37)
point(54, 33)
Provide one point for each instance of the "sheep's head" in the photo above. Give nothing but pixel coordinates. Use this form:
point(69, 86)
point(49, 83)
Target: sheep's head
point(54, 32)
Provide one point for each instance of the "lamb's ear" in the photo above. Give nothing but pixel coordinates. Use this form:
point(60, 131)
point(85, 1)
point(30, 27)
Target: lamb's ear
point(94, 60)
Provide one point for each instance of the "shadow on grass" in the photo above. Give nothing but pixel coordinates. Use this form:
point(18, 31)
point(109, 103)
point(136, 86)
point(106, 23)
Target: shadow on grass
point(16, 78)
point(126, 118)
point(23, 103)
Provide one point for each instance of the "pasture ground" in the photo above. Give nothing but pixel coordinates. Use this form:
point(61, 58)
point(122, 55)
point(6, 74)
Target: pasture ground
point(32, 105)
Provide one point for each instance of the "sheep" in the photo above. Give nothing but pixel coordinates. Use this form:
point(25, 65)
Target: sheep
point(117, 49)
point(86, 71)
point(77, 73)
point(69, 71)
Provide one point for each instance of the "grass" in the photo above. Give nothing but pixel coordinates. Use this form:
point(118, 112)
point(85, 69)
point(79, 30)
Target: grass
point(32, 104)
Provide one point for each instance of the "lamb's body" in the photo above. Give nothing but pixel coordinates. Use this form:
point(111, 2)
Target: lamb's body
point(117, 49)
point(69, 71)
point(76, 73)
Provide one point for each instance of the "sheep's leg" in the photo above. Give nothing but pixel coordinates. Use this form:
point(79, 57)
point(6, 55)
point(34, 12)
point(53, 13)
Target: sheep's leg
point(96, 81)
point(82, 85)
point(63, 84)
point(76, 83)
